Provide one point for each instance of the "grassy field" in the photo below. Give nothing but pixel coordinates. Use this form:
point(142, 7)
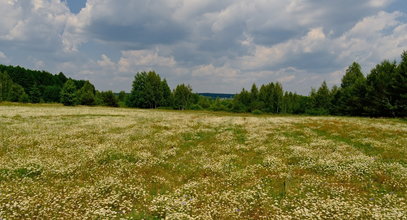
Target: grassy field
point(96, 163)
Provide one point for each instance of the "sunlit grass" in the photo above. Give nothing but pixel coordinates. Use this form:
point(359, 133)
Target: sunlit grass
point(96, 162)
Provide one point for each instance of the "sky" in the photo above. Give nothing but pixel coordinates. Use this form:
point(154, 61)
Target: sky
point(215, 46)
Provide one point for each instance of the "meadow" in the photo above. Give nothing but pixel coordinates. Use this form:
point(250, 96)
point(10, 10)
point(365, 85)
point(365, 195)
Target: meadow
point(101, 163)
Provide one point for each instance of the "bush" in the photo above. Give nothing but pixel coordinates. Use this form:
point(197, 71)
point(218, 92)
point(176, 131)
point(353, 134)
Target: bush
point(196, 107)
point(257, 112)
point(24, 98)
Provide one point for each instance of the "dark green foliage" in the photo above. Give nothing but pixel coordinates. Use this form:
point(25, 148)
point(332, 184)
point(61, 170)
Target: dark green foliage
point(272, 96)
point(257, 112)
point(335, 96)
point(382, 93)
point(255, 104)
point(35, 94)
point(242, 101)
point(16, 93)
point(155, 92)
point(294, 103)
point(269, 99)
point(138, 93)
point(380, 101)
point(5, 86)
point(149, 91)
point(351, 99)
point(68, 93)
point(320, 101)
point(107, 99)
point(52, 93)
point(24, 98)
point(86, 94)
point(167, 98)
point(182, 97)
point(196, 107)
point(40, 86)
point(399, 87)
point(10, 91)
point(352, 75)
point(122, 96)
point(61, 79)
point(221, 105)
point(204, 102)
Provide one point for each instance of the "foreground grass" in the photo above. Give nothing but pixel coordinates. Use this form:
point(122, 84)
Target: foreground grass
point(81, 162)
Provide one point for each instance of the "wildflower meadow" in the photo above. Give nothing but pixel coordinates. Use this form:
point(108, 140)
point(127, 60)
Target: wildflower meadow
point(115, 163)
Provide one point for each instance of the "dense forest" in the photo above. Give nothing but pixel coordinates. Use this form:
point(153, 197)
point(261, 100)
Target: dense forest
point(382, 93)
point(18, 84)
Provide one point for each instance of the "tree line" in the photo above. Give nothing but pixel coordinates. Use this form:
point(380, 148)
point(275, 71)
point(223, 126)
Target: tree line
point(382, 93)
point(18, 84)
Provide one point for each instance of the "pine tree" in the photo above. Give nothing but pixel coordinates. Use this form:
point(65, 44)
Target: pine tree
point(35, 94)
point(68, 93)
point(399, 87)
point(353, 91)
point(380, 101)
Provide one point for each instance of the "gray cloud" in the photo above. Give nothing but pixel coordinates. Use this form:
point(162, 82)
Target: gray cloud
point(218, 46)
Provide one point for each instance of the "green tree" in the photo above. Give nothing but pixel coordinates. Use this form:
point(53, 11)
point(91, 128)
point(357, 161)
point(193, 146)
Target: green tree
point(16, 92)
point(35, 94)
point(255, 103)
point(167, 98)
point(242, 101)
point(5, 86)
point(380, 100)
point(86, 94)
point(52, 93)
point(353, 91)
point(335, 95)
point(277, 94)
point(155, 91)
point(182, 97)
point(61, 79)
point(122, 96)
point(320, 101)
point(254, 93)
point(108, 98)
point(138, 94)
point(204, 102)
point(24, 98)
point(265, 96)
point(68, 93)
point(399, 87)
point(149, 91)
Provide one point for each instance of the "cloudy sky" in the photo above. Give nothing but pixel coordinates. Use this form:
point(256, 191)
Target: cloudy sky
point(215, 46)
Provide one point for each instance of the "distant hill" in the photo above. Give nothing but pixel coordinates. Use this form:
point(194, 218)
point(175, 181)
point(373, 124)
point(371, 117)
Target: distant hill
point(217, 95)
